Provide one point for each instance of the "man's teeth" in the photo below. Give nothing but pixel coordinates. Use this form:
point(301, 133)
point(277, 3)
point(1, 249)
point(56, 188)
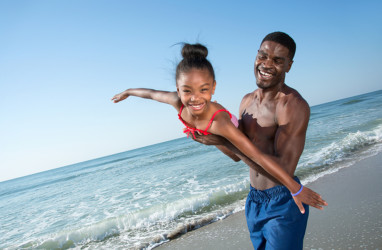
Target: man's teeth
point(265, 74)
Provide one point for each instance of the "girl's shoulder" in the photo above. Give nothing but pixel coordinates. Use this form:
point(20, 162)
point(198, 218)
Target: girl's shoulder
point(220, 120)
point(219, 112)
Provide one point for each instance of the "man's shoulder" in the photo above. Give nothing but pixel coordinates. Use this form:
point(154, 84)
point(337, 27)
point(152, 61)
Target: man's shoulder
point(249, 97)
point(292, 98)
point(247, 101)
point(250, 94)
point(292, 108)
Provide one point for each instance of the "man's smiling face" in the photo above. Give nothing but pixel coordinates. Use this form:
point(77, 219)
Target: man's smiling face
point(272, 62)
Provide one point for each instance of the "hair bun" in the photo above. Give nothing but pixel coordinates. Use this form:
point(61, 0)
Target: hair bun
point(194, 57)
point(194, 51)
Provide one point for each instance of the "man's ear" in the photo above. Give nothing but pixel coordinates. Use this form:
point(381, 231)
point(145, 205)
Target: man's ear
point(289, 66)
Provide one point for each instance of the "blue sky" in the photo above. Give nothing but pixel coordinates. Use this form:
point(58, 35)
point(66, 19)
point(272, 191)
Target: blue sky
point(62, 61)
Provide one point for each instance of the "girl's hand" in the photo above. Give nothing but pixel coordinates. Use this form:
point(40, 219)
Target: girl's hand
point(309, 197)
point(120, 97)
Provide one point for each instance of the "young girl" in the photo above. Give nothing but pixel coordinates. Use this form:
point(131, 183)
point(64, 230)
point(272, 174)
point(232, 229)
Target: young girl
point(195, 84)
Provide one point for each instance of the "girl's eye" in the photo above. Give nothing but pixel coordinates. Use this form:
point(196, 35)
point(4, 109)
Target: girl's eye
point(204, 90)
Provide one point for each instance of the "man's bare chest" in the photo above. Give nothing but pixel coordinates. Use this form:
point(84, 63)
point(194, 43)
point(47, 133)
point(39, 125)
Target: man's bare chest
point(259, 122)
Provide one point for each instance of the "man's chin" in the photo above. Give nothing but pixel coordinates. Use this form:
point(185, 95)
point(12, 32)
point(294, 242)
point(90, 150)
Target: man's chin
point(265, 85)
point(262, 85)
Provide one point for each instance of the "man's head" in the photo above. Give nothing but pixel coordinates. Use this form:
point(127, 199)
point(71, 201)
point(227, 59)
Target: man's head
point(283, 39)
point(274, 59)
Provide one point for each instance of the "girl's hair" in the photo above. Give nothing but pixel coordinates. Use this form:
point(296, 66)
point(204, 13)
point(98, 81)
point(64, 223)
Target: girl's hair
point(194, 56)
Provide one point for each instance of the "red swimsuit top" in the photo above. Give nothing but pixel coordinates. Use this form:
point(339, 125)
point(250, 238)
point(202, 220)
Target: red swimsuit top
point(189, 130)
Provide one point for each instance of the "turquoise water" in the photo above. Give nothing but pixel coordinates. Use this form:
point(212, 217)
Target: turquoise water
point(139, 197)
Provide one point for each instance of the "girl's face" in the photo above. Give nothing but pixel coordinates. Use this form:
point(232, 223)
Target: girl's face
point(195, 89)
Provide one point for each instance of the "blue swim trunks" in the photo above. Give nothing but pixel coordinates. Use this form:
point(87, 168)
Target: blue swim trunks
point(274, 220)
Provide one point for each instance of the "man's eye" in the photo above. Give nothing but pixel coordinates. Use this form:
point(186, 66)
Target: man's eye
point(278, 61)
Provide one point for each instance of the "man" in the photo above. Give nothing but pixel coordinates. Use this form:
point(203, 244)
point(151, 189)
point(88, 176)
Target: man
point(275, 118)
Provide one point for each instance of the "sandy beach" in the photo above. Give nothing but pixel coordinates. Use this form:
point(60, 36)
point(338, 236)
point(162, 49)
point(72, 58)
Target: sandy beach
point(353, 219)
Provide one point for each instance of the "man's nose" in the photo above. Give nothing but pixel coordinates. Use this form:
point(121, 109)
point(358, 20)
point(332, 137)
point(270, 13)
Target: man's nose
point(268, 63)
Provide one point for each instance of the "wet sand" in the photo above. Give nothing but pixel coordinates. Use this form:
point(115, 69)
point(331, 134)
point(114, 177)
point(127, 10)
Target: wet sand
point(353, 219)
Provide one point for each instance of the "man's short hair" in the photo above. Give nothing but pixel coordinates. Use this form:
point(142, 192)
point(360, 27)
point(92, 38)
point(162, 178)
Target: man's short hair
point(283, 39)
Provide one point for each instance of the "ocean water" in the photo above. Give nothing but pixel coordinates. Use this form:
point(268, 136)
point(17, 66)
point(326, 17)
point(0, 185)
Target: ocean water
point(143, 197)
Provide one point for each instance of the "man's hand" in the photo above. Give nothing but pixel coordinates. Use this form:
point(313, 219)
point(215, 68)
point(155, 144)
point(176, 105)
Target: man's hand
point(309, 197)
point(209, 139)
point(218, 141)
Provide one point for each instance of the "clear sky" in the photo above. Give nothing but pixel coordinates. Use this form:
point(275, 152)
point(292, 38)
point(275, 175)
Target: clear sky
point(62, 61)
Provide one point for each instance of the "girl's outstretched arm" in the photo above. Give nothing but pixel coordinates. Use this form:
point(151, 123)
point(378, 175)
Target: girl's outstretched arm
point(156, 95)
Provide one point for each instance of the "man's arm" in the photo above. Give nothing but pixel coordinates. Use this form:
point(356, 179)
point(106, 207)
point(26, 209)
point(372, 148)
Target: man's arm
point(228, 152)
point(292, 118)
